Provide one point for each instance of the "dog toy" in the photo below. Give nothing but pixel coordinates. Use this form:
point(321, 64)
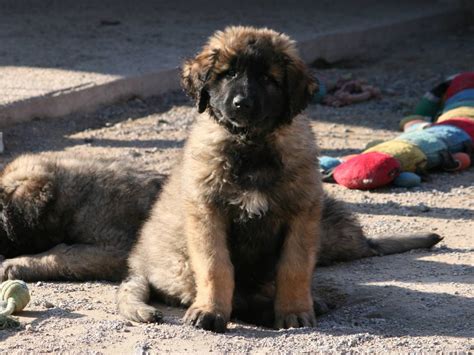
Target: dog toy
point(439, 135)
point(14, 296)
point(407, 179)
point(463, 161)
point(454, 97)
point(367, 171)
point(345, 91)
point(328, 163)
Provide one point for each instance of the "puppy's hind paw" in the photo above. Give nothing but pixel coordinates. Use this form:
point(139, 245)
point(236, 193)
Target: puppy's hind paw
point(144, 314)
point(321, 306)
point(9, 270)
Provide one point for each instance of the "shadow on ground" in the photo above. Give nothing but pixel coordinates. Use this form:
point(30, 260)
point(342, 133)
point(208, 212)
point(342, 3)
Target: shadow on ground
point(394, 208)
point(40, 316)
point(52, 134)
point(382, 303)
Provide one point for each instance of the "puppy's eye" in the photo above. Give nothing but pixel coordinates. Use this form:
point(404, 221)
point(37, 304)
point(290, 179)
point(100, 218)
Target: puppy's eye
point(268, 79)
point(231, 73)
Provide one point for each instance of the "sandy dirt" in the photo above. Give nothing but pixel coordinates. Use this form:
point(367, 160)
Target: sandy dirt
point(417, 301)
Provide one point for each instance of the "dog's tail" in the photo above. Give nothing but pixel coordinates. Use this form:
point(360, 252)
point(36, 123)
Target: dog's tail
point(342, 237)
point(386, 245)
point(132, 296)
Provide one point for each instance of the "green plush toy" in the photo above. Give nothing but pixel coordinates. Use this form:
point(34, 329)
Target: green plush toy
point(14, 296)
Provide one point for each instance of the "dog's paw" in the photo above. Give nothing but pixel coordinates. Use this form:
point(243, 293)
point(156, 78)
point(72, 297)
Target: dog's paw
point(9, 270)
point(145, 314)
point(321, 306)
point(204, 318)
point(295, 320)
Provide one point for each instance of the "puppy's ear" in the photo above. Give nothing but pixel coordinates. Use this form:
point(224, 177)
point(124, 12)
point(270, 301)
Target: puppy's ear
point(25, 204)
point(300, 86)
point(195, 75)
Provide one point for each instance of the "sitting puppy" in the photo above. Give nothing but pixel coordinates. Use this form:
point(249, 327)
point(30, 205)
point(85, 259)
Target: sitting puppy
point(241, 214)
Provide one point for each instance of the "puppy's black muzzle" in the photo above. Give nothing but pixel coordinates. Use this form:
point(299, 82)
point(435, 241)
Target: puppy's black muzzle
point(245, 107)
point(242, 105)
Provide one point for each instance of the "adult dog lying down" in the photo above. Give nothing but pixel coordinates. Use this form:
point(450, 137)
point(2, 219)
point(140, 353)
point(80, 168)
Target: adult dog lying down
point(68, 219)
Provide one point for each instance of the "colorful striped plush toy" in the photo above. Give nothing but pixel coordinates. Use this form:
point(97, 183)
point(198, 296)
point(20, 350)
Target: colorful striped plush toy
point(439, 135)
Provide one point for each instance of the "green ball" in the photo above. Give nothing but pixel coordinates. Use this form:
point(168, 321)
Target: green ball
point(18, 291)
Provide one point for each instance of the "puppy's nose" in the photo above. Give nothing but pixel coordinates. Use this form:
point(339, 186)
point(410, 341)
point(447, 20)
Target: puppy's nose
point(241, 102)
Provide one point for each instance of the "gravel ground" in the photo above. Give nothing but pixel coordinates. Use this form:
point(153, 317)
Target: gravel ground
point(420, 301)
point(51, 47)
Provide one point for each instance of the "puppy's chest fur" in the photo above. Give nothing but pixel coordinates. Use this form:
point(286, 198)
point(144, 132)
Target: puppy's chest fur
point(249, 178)
point(251, 173)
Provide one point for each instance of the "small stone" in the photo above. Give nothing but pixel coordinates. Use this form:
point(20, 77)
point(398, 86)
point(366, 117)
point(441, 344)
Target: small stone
point(152, 150)
point(424, 208)
point(47, 304)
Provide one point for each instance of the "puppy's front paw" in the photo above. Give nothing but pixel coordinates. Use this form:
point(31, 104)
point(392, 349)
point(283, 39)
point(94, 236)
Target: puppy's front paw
point(295, 320)
point(208, 319)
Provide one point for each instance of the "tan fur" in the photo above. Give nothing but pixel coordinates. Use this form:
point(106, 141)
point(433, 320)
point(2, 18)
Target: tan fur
point(184, 208)
point(74, 217)
point(182, 250)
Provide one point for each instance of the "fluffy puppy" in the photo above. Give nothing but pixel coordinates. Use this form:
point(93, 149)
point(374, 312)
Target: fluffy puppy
point(243, 207)
point(240, 216)
point(74, 219)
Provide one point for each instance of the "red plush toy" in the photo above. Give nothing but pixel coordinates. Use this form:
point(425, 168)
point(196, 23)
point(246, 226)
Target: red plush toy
point(367, 171)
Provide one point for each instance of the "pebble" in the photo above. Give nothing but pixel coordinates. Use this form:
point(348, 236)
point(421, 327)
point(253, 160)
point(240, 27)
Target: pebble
point(47, 304)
